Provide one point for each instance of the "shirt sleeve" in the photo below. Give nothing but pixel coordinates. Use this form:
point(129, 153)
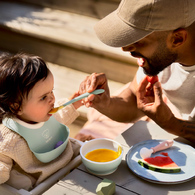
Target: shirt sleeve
point(67, 114)
point(5, 168)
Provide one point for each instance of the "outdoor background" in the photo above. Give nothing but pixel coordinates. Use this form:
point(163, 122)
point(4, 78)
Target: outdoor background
point(61, 32)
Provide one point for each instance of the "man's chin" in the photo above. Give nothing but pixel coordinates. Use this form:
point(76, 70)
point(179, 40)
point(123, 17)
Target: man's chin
point(150, 73)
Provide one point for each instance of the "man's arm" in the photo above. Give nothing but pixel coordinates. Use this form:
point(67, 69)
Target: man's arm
point(134, 102)
point(121, 108)
point(155, 108)
point(182, 128)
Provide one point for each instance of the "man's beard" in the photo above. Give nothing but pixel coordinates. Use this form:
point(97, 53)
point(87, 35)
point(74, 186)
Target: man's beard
point(161, 59)
point(159, 62)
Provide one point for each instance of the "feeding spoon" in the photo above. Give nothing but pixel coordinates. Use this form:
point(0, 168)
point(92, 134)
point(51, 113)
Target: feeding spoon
point(146, 153)
point(97, 91)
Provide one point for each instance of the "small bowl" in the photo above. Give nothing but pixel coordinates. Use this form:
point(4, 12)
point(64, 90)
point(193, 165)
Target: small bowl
point(100, 168)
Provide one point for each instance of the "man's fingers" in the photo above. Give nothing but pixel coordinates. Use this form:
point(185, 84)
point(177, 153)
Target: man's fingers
point(141, 89)
point(90, 97)
point(143, 84)
point(92, 82)
point(96, 80)
point(158, 92)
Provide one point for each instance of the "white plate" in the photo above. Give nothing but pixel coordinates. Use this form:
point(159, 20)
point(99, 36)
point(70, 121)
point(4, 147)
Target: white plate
point(182, 154)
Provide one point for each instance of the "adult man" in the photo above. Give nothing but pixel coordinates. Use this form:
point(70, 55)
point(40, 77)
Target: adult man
point(161, 33)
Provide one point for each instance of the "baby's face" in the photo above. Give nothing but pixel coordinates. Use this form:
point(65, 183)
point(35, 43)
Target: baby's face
point(39, 102)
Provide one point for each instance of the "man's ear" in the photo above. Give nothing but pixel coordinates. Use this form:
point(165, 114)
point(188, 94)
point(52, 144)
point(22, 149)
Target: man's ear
point(179, 37)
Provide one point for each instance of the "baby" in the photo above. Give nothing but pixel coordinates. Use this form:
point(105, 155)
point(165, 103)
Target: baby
point(26, 97)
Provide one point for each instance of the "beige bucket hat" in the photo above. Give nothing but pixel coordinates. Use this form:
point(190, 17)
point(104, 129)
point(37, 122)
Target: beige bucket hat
point(135, 19)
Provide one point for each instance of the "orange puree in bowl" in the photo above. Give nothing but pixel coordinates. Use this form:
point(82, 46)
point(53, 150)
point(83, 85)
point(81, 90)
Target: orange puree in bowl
point(102, 155)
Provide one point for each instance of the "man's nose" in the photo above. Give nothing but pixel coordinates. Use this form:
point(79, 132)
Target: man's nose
point(129, 48)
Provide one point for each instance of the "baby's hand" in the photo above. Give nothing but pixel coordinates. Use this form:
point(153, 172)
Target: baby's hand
point(78, 103)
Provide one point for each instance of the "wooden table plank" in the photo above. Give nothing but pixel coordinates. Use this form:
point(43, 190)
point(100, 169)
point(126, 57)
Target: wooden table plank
point(125, 178)
point(79, 182)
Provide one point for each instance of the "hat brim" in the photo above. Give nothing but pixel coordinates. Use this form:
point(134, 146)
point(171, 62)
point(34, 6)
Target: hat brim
point(114, 32)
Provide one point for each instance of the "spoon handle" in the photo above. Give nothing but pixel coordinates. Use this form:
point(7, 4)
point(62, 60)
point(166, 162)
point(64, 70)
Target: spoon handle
point(80, 97)
point(164, 145)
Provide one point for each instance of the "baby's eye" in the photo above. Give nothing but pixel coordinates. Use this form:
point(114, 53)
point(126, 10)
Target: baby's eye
point(43, 97)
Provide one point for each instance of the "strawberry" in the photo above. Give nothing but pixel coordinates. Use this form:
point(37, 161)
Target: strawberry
point(152, 79)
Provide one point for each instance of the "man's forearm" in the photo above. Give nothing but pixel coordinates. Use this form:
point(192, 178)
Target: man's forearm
point(182, 128)
point(188, 130)
point(121, 110)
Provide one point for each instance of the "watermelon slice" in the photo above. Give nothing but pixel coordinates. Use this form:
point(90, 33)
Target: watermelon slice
point(163, 164)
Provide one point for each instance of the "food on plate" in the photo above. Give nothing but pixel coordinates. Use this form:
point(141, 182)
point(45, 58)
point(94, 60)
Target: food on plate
point(152, 79)
point(102, 155)
point(163, 164)
point(164, 153)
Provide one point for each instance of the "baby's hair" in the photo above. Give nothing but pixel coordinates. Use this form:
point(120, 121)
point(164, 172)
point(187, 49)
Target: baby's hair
point(18, 75)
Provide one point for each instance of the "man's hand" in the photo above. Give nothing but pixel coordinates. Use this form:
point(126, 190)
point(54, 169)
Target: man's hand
point(150, 101)
point(92, 82)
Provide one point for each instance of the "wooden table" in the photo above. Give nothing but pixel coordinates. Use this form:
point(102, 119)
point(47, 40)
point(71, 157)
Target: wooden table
point(80, 181)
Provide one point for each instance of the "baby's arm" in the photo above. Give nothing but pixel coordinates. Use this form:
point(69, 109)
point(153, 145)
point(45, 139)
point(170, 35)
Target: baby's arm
point(67, 114)
point(5, 168)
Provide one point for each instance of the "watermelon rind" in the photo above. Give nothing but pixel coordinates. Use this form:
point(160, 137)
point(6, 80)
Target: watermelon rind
point(146, 165)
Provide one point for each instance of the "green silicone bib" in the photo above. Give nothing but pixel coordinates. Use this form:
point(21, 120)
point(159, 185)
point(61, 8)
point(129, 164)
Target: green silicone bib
point(41, 137)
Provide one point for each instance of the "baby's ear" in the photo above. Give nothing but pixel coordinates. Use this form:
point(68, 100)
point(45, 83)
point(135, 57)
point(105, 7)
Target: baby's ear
point(14, 108)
